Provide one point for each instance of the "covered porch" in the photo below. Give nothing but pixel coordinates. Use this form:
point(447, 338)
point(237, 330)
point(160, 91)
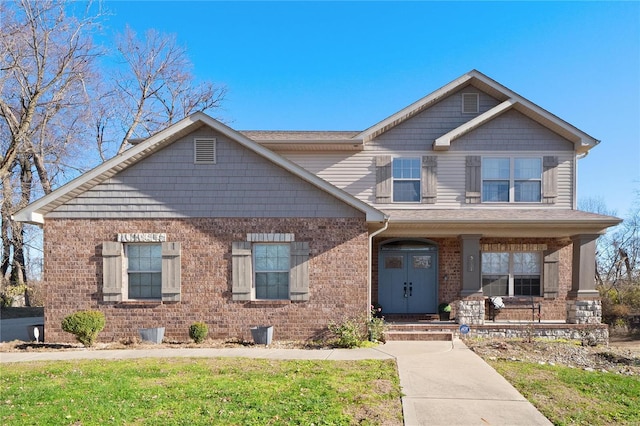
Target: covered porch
point(560, 281)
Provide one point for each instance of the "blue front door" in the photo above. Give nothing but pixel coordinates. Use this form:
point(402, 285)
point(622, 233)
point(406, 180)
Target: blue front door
point(407, 281)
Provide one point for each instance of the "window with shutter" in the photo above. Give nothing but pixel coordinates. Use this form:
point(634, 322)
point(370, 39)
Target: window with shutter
point(265, 269)
point(141, 271)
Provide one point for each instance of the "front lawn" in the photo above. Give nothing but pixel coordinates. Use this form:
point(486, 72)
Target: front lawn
point(573, 396)
point(225, 391)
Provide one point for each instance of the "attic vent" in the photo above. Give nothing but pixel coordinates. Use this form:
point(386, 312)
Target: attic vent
point(204, 151)
point(470, 103)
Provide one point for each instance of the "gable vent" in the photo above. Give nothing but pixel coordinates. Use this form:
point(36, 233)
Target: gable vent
point(205, 151)
point(470, 103)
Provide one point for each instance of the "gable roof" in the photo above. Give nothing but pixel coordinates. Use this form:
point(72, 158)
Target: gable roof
point(35, 212)
point(509, 100)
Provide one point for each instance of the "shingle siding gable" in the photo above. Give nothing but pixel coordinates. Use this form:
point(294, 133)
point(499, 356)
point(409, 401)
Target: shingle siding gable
point(169, 184)
point(419, 132)
point(512, 131)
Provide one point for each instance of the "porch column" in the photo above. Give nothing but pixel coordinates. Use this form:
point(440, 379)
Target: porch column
point(470, 309)
point(583, 302)
point(470, 266)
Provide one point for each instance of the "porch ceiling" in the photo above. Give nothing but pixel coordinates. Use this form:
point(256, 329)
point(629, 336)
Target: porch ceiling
point(522, 223)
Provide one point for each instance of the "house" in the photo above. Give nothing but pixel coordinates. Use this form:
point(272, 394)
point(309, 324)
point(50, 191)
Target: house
point(468, 193)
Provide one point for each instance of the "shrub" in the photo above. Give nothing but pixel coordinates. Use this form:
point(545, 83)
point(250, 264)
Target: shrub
point(351, 332)
point(85, 325)
point(198, 331)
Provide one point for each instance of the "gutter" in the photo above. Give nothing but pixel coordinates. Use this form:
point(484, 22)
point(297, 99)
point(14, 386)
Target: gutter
point(370, 261)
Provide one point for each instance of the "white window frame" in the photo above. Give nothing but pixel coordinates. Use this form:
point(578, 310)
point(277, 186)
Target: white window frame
point(512, 180)
point(286, 270)
point(405, 179)
point(512, 273)
point(127, 272)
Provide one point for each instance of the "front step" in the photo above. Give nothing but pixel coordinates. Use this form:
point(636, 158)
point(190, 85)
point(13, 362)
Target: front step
point(418, 332)
point(421, 336)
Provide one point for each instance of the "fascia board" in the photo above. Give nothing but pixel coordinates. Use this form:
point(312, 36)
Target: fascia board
point(415, 107)
point(34, 212)
point(583, 141)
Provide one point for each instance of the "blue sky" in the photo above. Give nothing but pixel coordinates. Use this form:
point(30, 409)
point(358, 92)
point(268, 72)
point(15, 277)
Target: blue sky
point(348, 65)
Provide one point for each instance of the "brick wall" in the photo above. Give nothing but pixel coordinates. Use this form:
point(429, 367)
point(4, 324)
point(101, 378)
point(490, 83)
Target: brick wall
point(337, 276)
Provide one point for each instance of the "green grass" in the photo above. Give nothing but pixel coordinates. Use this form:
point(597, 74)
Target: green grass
point(571, 396)
point(229, 391)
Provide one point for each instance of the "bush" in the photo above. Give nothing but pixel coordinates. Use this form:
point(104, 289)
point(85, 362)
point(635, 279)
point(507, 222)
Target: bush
point(85, 325)
point(351, 332)
point(198, 331)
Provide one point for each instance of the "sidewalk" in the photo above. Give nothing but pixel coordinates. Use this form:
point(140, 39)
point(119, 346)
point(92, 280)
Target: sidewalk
point(442, 382)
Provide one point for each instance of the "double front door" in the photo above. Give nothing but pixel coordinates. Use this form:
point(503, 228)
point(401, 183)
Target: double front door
point(407, 281)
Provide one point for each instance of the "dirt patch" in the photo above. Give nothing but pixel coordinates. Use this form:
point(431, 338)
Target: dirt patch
point(620, 356)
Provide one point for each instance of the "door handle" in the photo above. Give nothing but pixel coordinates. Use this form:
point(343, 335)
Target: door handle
point(410, 289)
point(405, 290)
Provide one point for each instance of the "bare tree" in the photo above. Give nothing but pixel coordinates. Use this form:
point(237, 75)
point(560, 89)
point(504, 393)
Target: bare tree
point(618, 251)
point(46, 61)
point(157, 85)
point(54, 103)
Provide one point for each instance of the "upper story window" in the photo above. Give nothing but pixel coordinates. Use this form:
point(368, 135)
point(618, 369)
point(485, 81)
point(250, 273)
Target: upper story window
point(406, 179)
point(506, 179)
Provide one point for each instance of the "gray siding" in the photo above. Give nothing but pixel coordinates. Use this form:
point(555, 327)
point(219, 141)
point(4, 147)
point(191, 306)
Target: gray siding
point(512, 131)
point(169, 185)
point(419, 132)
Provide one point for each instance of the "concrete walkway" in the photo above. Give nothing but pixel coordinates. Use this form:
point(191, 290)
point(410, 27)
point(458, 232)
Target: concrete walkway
point(443, 383)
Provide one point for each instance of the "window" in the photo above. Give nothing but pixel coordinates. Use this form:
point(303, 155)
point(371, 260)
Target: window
point(141, 267)
point(511, 274)
point(507, 179)
point(406, 179)
point(272, 271)
point(270, 267)
point(144, 271)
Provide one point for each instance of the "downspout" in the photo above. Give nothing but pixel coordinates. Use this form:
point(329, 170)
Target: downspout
point(370, 262)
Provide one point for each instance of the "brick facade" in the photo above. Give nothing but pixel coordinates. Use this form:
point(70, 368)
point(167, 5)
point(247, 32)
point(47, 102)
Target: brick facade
point(337, 276)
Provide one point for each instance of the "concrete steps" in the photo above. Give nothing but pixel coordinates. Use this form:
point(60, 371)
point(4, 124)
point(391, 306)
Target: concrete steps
point(418, 332)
